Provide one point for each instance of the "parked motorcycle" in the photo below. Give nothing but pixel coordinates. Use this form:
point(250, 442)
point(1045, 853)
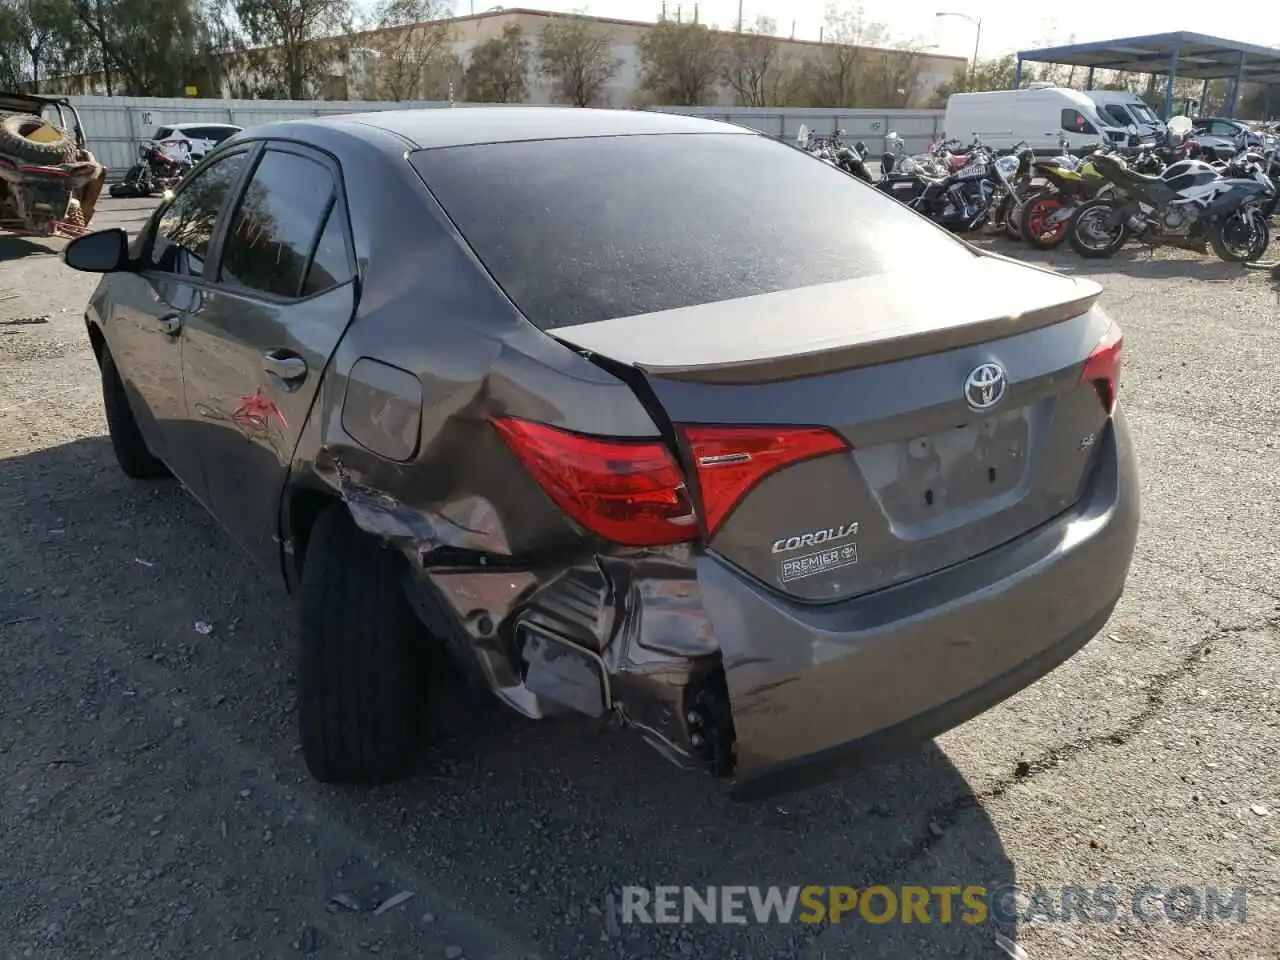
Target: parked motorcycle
point(1190, 205)
point(160, 167)
point(1047, 212)
point(833, 150)
point(962, 200)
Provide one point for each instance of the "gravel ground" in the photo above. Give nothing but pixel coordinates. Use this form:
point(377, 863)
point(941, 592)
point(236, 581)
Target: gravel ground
point(154, 804)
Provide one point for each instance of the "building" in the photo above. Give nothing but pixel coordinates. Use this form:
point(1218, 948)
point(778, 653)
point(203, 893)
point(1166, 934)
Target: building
point(371, 58)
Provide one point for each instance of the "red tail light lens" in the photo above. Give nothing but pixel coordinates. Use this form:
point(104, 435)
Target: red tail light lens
point(731, 460)
point(1102, 369)
point(627, 491)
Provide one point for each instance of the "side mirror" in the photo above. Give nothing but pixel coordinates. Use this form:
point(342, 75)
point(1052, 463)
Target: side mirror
point(106, 251)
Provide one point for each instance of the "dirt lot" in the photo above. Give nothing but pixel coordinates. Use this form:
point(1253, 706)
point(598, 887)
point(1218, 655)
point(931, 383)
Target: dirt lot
point(154, 804)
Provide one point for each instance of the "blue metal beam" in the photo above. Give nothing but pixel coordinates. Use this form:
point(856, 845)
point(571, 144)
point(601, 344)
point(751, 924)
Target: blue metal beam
point(1173, 76)
point(1235, 88)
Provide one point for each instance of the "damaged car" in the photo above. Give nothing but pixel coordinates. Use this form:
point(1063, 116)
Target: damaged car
point(763, 467)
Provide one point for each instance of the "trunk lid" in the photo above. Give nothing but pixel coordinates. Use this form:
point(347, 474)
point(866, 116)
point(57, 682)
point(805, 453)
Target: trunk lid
point(944, 462)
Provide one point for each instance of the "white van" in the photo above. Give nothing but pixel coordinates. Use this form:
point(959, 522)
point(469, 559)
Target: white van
point(1038, 115)
point(1124, 108)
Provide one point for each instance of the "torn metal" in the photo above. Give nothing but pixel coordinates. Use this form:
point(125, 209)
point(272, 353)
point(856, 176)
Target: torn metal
point(623, 636)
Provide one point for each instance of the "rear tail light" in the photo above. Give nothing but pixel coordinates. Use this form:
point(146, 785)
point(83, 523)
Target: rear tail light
point(633, 492)
point(1102, 369)
point(627, 491)
point(731, 461)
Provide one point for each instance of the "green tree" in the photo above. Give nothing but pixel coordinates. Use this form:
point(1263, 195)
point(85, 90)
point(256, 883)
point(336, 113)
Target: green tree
point(298, 41)
point(499, 68)
point(577, 58)
point(680, 63)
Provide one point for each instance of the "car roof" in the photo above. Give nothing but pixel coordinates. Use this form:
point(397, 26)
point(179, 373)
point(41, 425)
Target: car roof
point(433, 127)
point(200, 123)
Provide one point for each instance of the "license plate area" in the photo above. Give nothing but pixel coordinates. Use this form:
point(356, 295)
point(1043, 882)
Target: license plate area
point(922, 479)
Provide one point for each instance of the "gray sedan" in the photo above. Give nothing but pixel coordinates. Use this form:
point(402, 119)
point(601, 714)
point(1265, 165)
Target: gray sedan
point(639, 417)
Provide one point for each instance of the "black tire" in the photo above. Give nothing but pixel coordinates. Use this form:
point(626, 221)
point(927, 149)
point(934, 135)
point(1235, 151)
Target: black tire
point(126, 439)
point(1262, 240)
point(360, 683)
point(1084, 214)
point(13, 141)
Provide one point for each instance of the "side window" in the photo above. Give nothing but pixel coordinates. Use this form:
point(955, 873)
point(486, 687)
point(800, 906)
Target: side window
point(1075, 121)
point(186, 227)
point(330, 266)
point(162, 133)
point(1116, 114)
point(277, 225)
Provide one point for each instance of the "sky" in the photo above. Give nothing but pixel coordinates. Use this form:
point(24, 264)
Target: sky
point(1006, 28)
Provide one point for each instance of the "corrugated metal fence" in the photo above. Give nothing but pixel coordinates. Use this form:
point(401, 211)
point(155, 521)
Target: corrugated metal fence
point(918, 128)
point(116, 126)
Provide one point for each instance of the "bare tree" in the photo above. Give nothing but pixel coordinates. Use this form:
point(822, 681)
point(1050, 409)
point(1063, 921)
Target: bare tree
point(680, 63)
point(298, 39)
point(831, 78)
point(578, 58)
point(499, 68)
point(754, 67)
point(889, 77)
point(416, 49)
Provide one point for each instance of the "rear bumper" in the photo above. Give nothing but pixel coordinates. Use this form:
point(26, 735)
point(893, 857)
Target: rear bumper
point(820, 690)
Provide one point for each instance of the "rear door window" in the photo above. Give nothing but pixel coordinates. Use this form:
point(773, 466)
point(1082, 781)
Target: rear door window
point(279, 225)
point(580, 230)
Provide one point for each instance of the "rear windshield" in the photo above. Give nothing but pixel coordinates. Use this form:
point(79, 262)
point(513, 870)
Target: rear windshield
point(162, 133)
point(582, 230)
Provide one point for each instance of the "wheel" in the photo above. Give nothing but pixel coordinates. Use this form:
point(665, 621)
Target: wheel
point(361, 651)
point(126, 439)
point(1242, 237)
point(1007, 218)
point(35, 140)
point(1036, 230)
point(1089, 233)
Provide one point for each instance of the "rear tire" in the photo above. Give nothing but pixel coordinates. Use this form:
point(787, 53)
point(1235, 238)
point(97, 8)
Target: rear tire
point(1079, 227)
point(130, 448)
point(360, 689)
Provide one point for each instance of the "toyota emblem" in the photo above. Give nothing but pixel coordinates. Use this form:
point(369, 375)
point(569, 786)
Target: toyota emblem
point(985, 386)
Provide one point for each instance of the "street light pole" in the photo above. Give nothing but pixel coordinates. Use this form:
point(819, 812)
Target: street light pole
point(977, 40)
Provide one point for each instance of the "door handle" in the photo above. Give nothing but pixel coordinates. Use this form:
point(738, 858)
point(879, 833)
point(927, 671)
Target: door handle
point(287, 366)
point(171, 324)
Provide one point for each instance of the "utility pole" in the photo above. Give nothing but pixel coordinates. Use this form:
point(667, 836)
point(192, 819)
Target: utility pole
point(739, 16)
point(977, 39)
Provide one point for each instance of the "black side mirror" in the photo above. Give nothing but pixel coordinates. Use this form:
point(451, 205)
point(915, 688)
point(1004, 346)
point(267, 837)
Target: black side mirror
point(106, 251)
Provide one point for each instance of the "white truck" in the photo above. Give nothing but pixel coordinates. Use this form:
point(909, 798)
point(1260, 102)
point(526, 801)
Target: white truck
point(1040, 116)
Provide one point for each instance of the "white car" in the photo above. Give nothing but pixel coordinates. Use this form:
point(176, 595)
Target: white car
point(198, 138)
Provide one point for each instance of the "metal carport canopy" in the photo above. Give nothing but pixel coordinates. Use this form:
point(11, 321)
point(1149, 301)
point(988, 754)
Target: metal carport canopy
point(1182, 55)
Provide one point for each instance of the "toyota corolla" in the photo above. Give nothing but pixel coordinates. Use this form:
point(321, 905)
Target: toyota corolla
point(641, 417)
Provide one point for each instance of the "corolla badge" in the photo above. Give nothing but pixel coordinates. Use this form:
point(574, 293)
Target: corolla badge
point(985, 386)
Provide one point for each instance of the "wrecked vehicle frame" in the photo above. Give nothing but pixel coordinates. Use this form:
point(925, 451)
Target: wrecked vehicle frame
point(742, 539)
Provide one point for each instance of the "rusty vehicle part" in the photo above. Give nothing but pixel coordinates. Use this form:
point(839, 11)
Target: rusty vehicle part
point(650, 450)
point(49, 181)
